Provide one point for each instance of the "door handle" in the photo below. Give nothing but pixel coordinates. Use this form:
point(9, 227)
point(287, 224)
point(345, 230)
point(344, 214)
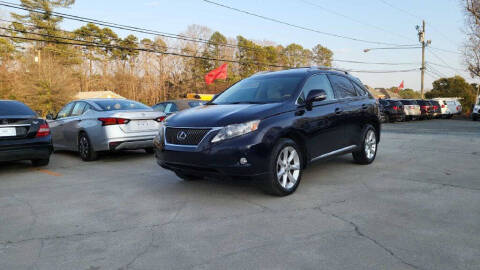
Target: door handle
point(364, 106)
point(338, 111)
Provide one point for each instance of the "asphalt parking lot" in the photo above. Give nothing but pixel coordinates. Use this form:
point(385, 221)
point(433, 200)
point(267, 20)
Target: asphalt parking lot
point(416, 207)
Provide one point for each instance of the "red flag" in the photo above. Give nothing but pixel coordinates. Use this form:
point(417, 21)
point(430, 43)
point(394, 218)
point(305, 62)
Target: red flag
point(401, 86)
point(218, 73)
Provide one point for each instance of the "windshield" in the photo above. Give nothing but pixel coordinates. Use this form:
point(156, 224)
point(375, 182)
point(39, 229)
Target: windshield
point(264, 89)
point(121, 105)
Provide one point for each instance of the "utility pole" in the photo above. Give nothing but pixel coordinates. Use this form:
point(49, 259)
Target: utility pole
point(421, 39)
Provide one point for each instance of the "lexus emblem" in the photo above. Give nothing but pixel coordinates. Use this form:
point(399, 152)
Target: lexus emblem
point(181, 136)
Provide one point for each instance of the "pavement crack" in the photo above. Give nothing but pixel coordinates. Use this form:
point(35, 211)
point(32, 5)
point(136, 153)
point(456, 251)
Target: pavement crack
point(56, 237)
point(33, 213)
point(143, 252)
point(371, 239)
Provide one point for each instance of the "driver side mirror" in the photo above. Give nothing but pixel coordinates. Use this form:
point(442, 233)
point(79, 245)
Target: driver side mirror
point(315, 96)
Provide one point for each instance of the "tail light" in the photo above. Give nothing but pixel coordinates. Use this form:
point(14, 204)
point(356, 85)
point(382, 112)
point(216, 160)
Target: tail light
point(113, 121)
point(160, 119)
point(424, 107)
point(443, 106)
point(395, 108)
point(43, 130)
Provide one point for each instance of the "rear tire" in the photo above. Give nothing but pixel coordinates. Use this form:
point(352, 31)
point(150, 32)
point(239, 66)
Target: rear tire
point(474, 117)
point(187, 177)
point(368, 149)
point(40, 162)
point(85, 148)
point(286, 168)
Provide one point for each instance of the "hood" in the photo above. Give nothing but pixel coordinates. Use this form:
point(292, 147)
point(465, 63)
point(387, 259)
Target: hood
point(223, 115)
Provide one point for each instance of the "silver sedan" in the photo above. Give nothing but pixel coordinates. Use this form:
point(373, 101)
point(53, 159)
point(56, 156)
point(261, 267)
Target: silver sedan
point(95, 125)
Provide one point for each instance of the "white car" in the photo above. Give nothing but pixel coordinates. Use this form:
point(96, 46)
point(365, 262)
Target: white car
point(476, 110)
point(449, 106)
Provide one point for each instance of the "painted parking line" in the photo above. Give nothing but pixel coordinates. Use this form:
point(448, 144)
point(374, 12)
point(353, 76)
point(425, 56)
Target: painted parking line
point(48, 172)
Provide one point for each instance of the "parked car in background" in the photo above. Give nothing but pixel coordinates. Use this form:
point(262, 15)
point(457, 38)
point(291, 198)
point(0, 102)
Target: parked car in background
point(411, 109)
point(96, 125)
point(271, 126)
point(392, 110)
point(426, 109)
point(436, 109)
point(444, 108)
point(476, 110)
point(23, 135)
point(172, 106)
point(454, 107)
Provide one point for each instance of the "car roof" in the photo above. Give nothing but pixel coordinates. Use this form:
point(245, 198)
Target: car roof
point(305, 71)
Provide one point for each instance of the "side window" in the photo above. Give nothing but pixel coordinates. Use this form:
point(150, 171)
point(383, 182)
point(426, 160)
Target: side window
point(159, 107)
point(78, 109)
point(65, 111)
point(87, 107)
point(316, 82)
point(342, 86)
point(359, 89)
point(170, 108)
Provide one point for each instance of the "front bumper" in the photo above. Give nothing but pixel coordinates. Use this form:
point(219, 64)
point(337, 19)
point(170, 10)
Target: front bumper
point(220, 159)
point(27, 149)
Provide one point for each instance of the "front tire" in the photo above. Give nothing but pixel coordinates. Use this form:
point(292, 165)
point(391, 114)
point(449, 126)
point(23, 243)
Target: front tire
point(85, 148)
point(368, 149)
point(286, 168)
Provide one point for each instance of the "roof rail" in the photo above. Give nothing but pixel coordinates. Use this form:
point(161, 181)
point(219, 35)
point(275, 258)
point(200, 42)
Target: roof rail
point(329, 68)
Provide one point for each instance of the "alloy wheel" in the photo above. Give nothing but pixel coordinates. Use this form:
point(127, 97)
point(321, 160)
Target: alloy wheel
point(84, 147)
point(288, 167)
point(370, 144)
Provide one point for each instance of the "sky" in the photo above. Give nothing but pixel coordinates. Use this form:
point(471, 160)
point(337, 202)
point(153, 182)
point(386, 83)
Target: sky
point(372, 20)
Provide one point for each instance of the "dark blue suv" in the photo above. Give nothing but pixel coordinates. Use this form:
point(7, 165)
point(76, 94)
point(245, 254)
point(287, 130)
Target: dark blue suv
point(271, 126)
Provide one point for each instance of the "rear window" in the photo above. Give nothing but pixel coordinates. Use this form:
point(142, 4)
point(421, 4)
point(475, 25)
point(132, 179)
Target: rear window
point(195, 103)
point(409, 102)
point(9, 108)
point(121, 105)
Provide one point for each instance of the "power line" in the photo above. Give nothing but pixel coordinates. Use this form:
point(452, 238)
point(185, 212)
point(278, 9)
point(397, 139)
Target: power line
point(120, 26)
point(93, 44)
point(443, 61)
point(375, 63)
point(429, 24)
point(299, 26)
point(354, 19)
point(173, 48)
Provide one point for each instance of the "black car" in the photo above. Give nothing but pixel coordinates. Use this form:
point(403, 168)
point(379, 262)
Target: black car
point(172, 106)
point(23, 136)
point(426, 108)
point(392, 110)
point(436, 108)
point(271, 126)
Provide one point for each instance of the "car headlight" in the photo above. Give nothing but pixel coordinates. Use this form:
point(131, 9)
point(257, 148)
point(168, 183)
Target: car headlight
point(236, 130)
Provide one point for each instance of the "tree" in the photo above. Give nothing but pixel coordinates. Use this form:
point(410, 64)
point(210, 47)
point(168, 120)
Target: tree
point(322, 56)
point(472, 46)
point(297, 56)
point(454, 87)
point(409, 94)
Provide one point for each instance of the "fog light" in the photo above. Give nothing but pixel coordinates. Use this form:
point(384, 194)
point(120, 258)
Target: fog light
point(243, 161)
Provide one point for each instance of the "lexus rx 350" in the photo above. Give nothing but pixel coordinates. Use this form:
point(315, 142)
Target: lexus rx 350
point(271, 126)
